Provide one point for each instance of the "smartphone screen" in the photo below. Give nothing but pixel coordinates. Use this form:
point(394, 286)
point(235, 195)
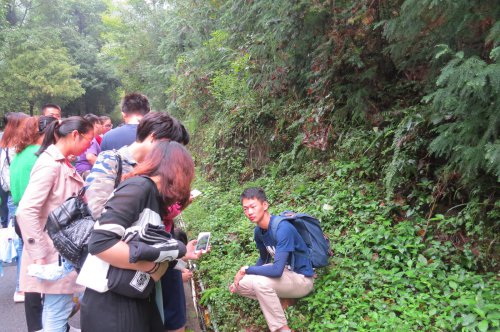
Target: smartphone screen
point(202, 244)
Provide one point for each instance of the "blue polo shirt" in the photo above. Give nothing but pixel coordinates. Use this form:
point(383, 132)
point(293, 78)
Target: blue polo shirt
point(119, 137)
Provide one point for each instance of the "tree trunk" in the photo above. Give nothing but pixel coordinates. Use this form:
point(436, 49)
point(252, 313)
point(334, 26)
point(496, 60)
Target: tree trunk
point(32, 106)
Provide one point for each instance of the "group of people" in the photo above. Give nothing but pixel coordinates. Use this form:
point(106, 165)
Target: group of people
point(140, 181)
point(137, 179)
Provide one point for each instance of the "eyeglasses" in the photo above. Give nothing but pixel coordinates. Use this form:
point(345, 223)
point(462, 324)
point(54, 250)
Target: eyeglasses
point(86, 138)
point(108, 125)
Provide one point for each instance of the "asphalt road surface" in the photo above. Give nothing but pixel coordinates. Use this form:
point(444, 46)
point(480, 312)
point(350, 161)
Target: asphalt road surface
point(12, 314)
point(12, 318)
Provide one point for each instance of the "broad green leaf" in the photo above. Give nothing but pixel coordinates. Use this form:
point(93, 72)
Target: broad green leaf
point(483, 326)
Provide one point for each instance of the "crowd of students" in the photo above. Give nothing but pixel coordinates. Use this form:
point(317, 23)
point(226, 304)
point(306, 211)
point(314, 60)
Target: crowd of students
point(138, 183)
point(137, 179)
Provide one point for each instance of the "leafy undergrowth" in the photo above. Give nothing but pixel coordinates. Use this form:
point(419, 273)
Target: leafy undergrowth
point(384, 275)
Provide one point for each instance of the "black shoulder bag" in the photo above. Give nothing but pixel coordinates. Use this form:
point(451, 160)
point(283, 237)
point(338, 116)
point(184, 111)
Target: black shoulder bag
point(70, 225)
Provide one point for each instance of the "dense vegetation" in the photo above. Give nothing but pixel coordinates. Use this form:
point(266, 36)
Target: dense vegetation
point(380, 117)
point(52, 51)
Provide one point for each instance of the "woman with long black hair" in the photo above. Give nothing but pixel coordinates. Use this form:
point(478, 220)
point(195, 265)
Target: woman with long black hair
point(53, 179)
point(29, 141)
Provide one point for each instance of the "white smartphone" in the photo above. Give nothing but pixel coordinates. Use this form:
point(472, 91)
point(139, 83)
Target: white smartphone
point(195, 193)
point(202, 244)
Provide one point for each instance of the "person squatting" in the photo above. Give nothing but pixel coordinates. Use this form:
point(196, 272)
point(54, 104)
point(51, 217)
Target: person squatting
point(137, 179)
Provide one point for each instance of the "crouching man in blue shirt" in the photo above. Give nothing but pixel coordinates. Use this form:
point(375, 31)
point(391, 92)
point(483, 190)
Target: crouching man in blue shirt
point(290, 276)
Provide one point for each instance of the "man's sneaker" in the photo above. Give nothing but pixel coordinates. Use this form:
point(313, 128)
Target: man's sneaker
point(18, 297)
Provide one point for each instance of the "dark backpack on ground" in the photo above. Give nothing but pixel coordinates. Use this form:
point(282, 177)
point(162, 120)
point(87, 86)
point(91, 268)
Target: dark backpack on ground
point(70, 225)
point(309, 229)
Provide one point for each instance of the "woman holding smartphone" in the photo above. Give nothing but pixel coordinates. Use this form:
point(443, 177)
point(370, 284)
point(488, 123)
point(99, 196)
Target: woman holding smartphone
point(163, 178)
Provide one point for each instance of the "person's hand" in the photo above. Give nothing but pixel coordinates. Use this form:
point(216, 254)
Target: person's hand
point(161, 271)
point(186, 274)
point(237, 278)
point(190, 254)
point(232, 288)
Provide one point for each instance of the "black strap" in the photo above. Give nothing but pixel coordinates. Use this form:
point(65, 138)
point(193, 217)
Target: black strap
point(7, 156)
point(120, 170)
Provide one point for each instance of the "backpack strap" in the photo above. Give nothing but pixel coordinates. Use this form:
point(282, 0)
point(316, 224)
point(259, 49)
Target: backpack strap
point(273, 228)
point(120, 169)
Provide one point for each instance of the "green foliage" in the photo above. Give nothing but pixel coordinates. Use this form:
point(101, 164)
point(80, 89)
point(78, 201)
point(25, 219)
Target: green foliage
point(82, 36)
point(384, 275)
point(380, 117)
point(465, 110)
point(419, 24)
point(59, 43)
point(32, 71)
point(408, 142)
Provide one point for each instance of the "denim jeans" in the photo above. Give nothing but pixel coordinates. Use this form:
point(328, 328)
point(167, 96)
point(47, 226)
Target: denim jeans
point(56, 310)
point(18, 243)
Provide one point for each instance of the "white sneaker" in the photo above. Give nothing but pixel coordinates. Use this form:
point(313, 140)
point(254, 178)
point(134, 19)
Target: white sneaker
point(18, 297)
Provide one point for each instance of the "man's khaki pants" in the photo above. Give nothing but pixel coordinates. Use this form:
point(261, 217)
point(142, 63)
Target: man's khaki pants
point(268, 292)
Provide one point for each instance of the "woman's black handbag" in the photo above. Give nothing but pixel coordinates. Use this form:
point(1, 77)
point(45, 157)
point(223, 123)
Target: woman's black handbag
point(130, 283)
point(69, 226)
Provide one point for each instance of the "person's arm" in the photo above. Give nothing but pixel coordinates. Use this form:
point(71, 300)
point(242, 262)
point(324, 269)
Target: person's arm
point(100, 182)
point(274, 270)
point(92, 152)
point(271, 270)
point(118, 256)
point(284, 246)
point(122, 211)
point(34, 199)
point(91, 158)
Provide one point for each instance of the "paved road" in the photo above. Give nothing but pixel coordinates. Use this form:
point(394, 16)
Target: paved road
point(12, 314)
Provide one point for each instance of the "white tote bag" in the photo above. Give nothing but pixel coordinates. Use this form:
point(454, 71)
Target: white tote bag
point(94, 274)
point(5, 159)
point(8, 241)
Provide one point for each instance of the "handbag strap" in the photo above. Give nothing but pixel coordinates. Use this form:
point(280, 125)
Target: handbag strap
point(120, 169)
point(7, 156)
point(82, 191)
